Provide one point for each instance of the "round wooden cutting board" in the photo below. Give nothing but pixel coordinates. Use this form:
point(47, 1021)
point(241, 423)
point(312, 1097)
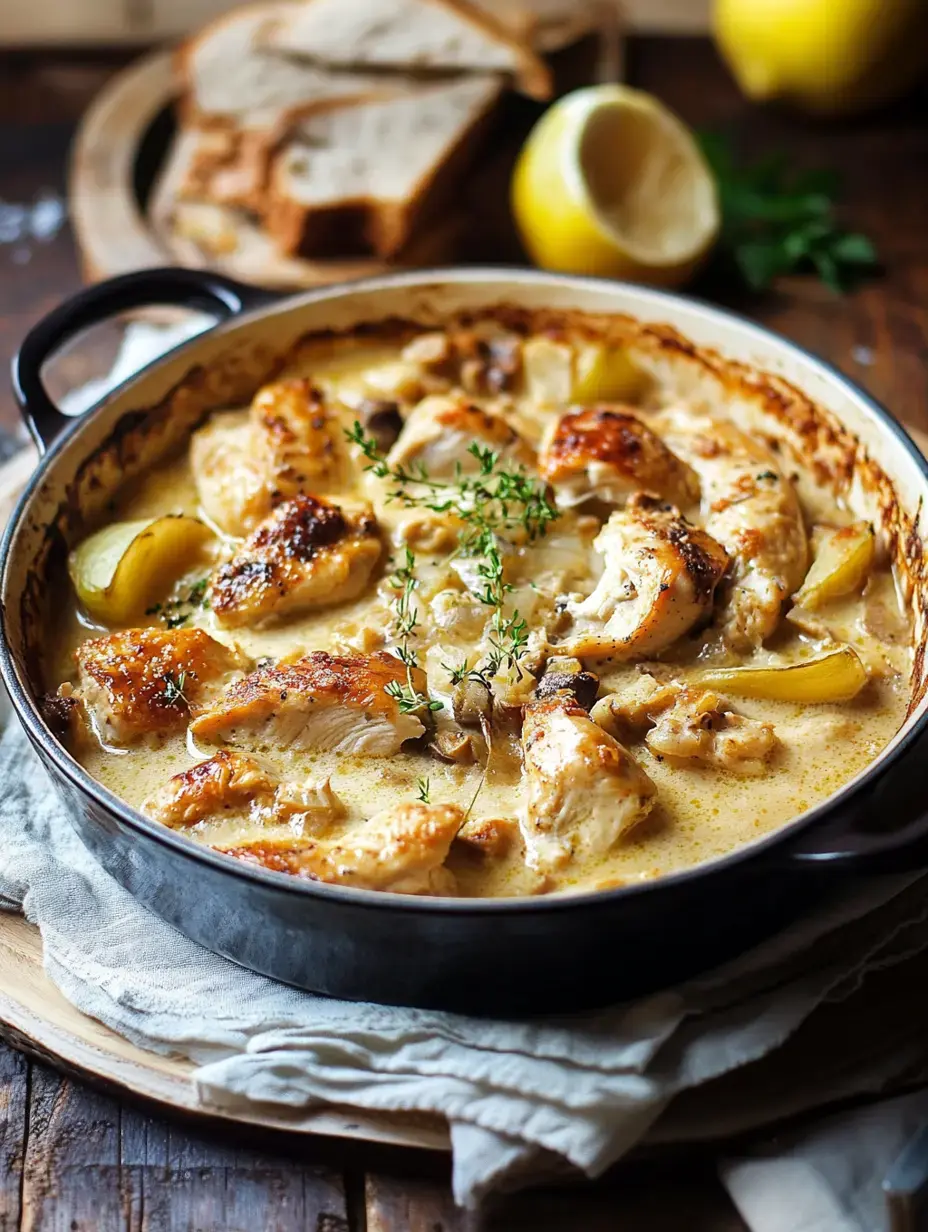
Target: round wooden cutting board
point(37, 1019)
point(114, 185)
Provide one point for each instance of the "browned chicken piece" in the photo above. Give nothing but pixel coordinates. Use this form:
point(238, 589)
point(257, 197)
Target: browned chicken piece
point(441, 431)
point(584, 790)
point(307, 554)
point(230, 479)
point(750, 506)
point(688, 723)
point(659, 578)
point(143, 682)
point(489, 838)
point(298, 439)
point(609, 454)
point(232, 786)
point(702, 726)
point(401, 849)
point(321, 702)
point(290, 442)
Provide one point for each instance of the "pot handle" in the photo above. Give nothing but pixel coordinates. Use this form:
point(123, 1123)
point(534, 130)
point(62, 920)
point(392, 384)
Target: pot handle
point(182, 288)
point(887, 832)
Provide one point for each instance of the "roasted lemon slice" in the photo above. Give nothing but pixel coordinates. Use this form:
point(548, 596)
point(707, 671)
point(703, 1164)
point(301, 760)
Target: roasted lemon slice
point(610, 182)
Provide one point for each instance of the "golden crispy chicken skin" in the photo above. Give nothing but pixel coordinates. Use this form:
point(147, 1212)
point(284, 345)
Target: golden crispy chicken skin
point(290, 443)
point(659, 578)
point(751, 508)
point(319, 702)
point(298, 439)
point(605, 452)
point(307, 554)
point(584, 790)
point(231, 785)
point(401, 849)
point(140, 682)
point(441, 431)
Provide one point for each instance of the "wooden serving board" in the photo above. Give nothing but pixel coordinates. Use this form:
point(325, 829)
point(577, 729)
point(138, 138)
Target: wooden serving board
point(36, 1018)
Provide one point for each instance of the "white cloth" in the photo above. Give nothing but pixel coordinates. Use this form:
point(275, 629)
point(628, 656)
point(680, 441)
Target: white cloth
point(518, 1096)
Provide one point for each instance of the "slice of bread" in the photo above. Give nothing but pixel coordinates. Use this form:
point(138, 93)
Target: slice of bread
point(551, 25)
point(201, 234)
point(364, 175)
point(229, 77)
point(411, 35)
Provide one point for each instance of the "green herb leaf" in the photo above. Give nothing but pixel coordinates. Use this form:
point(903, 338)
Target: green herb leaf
point(777, 220)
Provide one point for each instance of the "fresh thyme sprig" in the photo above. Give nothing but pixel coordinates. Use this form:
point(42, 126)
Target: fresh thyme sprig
point(174, 688)
point(492, 504)
point(491, 500)
point(176, 612)
point(406, 621)
point(423, 787)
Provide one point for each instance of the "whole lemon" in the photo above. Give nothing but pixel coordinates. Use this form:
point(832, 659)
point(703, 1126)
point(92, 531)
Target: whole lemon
point(826, 56)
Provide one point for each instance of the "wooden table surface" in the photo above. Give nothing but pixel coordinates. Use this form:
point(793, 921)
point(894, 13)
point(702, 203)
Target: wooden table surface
point(72, 1158)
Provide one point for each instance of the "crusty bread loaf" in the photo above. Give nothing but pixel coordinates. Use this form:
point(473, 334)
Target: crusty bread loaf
point(363, 175)
point(202, 234)
point(432, 35)
point(229, 77)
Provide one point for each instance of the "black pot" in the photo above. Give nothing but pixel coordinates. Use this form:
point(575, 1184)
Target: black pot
point(485, 956)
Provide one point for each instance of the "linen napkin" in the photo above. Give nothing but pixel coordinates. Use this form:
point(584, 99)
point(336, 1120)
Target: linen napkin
point(518, 1096)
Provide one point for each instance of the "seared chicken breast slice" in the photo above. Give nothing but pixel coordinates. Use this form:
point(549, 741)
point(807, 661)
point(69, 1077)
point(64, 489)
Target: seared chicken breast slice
point(401, 849)
point(607, 453)
point(750, 506)
point(584, 790)
point(230, 478)
point(659, 578)
point(320, 702)
point(290, 442)
point(441, 431)
point(299, 439)
point(144, 682)
point(307, 554)
point(230, 786)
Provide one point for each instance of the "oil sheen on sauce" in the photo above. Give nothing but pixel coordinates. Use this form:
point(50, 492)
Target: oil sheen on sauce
point(702, 812)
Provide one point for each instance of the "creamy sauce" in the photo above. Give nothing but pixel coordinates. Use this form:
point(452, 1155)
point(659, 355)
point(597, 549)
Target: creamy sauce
point(701, 812)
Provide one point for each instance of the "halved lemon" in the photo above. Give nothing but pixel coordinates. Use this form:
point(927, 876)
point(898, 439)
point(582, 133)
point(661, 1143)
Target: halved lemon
point(611, 182)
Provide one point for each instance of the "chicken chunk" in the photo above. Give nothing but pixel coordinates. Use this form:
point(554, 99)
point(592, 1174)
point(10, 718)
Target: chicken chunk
point(289, 443)
point(603, 452)
point(230, 479)
point(232, 786)
point(441, 431)
point(687, 723)
point(702, 726)
point(299, 440)
point(307, 554)
point(317, 703)
point(750, 506)
point(584, 790)
point(401, 849)
point(144, 682)
point(659, 578)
